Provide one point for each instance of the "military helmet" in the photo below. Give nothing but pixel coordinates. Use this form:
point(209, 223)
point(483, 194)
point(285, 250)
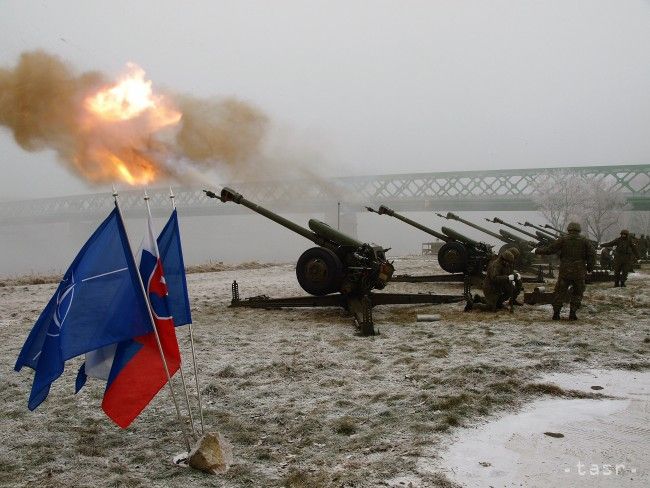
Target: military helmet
point(625, 232)
point(573, 227)
point(515, 252)
point(508, 256)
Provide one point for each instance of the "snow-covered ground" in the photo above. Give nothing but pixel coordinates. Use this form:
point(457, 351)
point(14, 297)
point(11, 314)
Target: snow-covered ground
point(303, 400)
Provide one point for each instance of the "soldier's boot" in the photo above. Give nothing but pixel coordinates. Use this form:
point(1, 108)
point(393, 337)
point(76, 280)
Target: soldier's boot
point(572, 314)
point(556, 313)
point(616, 283)
point(623, 284)
point(469, 305)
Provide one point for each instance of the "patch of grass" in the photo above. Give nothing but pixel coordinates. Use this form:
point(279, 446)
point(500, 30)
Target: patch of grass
point(634, 366)
point(227, 372)
point(345, 426)
point(298, 478)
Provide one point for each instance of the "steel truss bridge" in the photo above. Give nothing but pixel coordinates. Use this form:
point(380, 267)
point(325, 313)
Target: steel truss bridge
point(498, 190)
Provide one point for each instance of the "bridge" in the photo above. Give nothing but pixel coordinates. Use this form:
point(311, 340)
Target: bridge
point(499, 190)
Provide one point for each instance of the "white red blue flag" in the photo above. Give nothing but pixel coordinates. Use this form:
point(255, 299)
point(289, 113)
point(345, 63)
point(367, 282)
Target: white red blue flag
point(137, 372)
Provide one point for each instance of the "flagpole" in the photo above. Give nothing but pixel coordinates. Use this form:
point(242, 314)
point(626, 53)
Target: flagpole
point(187, 398)
point(155, 330)
point(196, 374)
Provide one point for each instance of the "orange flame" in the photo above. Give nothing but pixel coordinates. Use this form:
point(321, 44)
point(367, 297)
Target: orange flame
point(125, 117)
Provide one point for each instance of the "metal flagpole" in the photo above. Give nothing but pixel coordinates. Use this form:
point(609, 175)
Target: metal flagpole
point(196, 374)
point(155, 331)
point(187, 398)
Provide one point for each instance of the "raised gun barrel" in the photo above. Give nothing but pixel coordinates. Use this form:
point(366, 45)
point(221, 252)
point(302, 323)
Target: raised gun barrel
point(453, 216)
point(519, 240)
point(497, 220)
point(549, 226)
point(540, 229)
point(340, 263)
point(459, 254)
point(384, 210)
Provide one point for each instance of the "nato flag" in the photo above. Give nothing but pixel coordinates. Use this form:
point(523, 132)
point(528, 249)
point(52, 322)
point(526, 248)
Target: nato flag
point(98, 302)
point(171, 255)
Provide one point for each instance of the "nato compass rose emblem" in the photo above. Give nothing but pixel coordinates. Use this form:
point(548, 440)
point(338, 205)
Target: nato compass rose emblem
point(64, 298)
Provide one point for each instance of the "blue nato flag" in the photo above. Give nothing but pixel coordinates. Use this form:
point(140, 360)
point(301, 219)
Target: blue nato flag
point(171, 255)
point(98, 302)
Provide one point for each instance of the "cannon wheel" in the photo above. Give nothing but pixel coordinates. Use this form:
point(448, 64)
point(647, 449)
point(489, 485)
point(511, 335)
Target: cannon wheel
point(319, 271)
point(453, 257)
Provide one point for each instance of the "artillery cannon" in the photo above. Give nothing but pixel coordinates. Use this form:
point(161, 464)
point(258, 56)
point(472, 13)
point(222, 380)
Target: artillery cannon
point(525, 261)
point(509, 242)
point(338, 264)
point(459, 254)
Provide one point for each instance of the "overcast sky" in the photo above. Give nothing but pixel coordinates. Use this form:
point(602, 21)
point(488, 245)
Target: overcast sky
point(362, 87)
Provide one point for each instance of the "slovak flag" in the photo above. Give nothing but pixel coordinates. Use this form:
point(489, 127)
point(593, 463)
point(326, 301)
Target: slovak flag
point(137, 372)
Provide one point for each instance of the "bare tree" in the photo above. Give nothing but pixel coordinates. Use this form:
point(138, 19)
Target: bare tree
point(603, 209)
point(641, 223)
point(561, 197)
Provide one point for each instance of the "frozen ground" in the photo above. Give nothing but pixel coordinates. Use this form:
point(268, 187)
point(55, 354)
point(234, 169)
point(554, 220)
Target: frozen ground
point(307, 403)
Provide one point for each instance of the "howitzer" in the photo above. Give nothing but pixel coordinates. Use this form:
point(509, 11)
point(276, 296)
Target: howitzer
point(524, 262)
point(509, 241)
point(459, 254)
point(340, 263)
point(341, 271)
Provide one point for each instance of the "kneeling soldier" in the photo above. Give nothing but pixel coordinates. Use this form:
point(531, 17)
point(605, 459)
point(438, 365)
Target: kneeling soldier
point(499, 283)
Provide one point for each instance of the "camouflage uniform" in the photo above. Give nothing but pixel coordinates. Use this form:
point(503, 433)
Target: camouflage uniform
point(606, 258)
point(497, 286)
point(625, 254)
point(643, 246)
point(519, 287)
point(577, 256)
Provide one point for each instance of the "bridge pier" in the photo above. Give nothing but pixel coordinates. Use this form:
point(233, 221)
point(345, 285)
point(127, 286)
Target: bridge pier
point(343, 218)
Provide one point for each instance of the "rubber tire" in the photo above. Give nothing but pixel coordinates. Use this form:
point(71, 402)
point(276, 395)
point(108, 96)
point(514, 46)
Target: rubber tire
point(333, 267)
point(459, 262)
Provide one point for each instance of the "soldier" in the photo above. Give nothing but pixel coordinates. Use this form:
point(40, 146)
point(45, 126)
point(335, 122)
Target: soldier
point(643, 246)
point(606, 258)
point(498, 285)
point(577, 257)
point(624, 256)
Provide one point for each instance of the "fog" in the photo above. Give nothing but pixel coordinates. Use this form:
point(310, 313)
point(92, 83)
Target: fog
point(349, 88)
point(50, 248)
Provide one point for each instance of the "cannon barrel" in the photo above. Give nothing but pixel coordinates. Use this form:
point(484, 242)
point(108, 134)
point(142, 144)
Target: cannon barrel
point(457, 236)
point(543, 238)
point(519, 240)
point(320, 234)
point(497, 220)
point(384, 210)
point(452, 216)
point(549, 226)
point(550, 234)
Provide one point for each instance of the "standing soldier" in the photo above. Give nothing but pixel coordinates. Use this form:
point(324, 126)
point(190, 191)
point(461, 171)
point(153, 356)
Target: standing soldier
point(643, 246)
point(499, 283)
point(577, 257)
point(624, 256)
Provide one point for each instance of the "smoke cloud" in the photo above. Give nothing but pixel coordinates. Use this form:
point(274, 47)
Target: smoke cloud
point(43, 102)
